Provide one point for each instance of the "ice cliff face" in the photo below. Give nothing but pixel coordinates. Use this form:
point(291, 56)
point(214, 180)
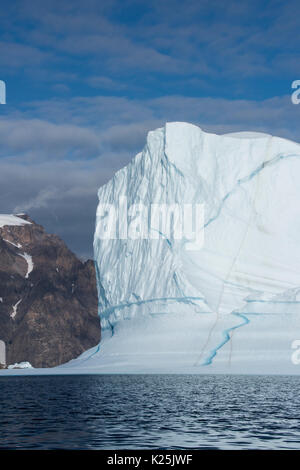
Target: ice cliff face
point(235, 301)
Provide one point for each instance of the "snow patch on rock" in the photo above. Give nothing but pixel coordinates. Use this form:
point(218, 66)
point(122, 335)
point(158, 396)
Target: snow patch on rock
point(9, 219)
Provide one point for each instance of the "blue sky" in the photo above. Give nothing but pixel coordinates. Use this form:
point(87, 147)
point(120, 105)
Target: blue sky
point(87, 80)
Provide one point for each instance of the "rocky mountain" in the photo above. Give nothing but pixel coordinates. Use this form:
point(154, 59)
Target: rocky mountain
point(48, 297)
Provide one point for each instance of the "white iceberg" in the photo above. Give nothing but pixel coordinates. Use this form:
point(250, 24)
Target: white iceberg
point(21, 365)
point(233, 305)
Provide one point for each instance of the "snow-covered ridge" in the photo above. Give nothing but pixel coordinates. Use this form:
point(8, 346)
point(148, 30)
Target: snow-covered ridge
point(9, 219)
point(17, 245)
point(219, 304)
point(30, 264)
point(13, 220)
point(15, 309)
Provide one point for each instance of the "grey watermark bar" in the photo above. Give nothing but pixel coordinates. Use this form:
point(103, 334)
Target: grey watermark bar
point(296, 94)
point(2, 92)
point(295, 357)
point(2, 354)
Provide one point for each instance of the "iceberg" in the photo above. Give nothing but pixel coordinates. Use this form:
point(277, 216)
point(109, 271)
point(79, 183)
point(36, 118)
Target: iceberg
point(20, 365)
point(231, 305)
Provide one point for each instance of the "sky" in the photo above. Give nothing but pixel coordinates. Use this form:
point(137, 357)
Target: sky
point(87, 80)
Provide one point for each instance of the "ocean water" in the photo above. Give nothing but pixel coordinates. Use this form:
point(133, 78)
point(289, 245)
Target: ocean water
point(150, 412)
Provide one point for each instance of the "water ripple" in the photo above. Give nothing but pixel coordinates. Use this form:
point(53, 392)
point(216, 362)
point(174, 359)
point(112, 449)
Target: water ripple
point(150, 412)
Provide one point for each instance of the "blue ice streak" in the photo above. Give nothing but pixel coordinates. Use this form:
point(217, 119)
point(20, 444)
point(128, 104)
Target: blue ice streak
point(226, 334)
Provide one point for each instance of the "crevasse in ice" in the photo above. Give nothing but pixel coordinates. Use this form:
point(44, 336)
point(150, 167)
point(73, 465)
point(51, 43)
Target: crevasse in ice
point(234, 304)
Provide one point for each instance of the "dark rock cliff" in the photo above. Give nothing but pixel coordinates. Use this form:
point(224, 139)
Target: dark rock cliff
point(48, 298)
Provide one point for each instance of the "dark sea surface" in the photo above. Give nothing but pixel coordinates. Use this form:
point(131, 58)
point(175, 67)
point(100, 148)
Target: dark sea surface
point(150, 412)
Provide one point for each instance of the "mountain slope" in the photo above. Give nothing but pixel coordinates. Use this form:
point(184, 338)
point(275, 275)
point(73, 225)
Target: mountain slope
point(48, 298)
